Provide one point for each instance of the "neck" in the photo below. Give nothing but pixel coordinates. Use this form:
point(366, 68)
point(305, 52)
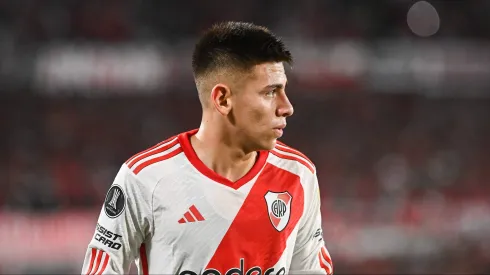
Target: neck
point(220, 152)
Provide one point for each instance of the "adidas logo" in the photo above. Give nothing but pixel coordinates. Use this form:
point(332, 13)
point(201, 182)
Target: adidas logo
point(192, 215)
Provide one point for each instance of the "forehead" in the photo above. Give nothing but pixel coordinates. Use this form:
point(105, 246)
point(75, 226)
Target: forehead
point(269, 73)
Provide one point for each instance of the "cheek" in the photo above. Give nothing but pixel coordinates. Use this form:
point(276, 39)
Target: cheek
point(254, 114)
point(258, 119)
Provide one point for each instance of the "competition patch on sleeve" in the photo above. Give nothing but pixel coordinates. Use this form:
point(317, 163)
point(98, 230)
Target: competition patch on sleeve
point(115, 202)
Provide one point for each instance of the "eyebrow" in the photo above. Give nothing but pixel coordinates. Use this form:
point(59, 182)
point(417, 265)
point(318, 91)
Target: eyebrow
point(277, 86)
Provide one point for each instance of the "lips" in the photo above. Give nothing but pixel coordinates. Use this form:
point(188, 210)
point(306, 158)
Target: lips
point(279, 130)
point(280, 127)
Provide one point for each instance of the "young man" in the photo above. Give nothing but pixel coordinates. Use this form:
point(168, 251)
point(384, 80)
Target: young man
point(226, 198)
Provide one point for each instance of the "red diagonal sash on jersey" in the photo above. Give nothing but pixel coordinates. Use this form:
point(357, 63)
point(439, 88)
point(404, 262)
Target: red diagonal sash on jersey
point(251, 235)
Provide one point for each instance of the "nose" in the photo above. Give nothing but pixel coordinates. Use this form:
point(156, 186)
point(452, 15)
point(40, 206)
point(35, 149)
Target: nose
point(284, 107)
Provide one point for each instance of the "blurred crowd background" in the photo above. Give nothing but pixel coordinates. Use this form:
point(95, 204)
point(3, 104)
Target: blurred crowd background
point(392, 103)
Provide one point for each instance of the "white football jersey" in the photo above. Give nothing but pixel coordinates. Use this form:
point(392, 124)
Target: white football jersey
point(171, 214)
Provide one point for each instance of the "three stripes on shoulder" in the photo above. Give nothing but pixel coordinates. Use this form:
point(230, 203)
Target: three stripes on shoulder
point(285, 152)
point(171, 147)
point(160, 152)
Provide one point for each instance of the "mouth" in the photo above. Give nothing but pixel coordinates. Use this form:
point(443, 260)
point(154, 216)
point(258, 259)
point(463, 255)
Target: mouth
point(279, 130)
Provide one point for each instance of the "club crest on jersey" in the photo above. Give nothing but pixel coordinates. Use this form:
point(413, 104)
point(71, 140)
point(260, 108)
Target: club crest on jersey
point(279, 208)
point(115, 202)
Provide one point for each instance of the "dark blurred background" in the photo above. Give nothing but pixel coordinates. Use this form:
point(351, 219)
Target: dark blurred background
point(392, 103)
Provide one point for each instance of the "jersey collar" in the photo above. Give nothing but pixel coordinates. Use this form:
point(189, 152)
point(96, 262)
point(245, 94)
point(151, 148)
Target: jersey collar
point(184, 139)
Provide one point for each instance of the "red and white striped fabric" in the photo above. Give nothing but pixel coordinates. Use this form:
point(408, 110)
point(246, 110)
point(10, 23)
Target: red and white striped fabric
point(325, 260)
point(158, 153)
point(171, 214)
point(98, 262)
point(283, 151)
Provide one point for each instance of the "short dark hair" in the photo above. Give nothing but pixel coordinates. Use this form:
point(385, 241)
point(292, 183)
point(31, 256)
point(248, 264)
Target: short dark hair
point(237, 45)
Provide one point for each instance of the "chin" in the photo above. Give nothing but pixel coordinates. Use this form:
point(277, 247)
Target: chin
point(262, 143)
point(268, 144)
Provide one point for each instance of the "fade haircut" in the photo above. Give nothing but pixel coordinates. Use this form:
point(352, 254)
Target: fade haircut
point(235, 46)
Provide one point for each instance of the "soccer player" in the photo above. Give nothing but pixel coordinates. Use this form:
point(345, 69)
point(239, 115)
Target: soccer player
point(226, 198)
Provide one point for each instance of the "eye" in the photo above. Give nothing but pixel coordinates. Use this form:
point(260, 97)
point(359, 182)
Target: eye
point(271, 93)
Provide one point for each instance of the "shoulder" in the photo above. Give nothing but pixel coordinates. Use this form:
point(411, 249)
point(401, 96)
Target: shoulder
point(138, 177)
point(142, 165)
point(288, 158)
